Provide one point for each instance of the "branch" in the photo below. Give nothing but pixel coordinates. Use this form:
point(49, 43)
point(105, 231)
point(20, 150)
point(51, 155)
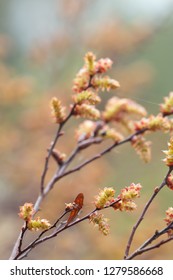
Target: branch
point(144, 247)
point(58, 230)
point(144, 212)
point(58, 134)
point(31, 245)
point(60, 173)
point(102, 153)
point(141, 251)
point(156, 235)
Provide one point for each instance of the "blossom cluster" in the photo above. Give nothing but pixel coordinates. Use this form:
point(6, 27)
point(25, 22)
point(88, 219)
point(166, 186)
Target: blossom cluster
point(123, 202)
point(101, 222)
point(87, 82)
point(57, 110)
point(84, 78)
point(104, 198)
point(87, 111)
point(169, 154)
point(142, 147)
point(127, 196)
point(26, 213)
point(169, 220)
point(167, 107)
point(110, 133)
point(37, 224)
point(88, 129)
point(117, 108)
point(153, 123)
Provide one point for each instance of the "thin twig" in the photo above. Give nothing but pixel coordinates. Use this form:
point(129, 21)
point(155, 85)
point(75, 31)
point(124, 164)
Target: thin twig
point(38, 241)
point(141, 251)
point(144, 212)
point(102, 153)
point(24, 229)
point(47, 159)
point(58, 134)
point(61, 172)
point(156, 235)
point(31, 245)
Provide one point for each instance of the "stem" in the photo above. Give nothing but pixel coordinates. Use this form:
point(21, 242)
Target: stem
point(99, 155)
point(38, 241)
point(141, 251)
point(60, 173)
point(58, 134)
point(156, 235)
point(144, 212)
point(31, 245)
point(43, 176)
point(143, 248)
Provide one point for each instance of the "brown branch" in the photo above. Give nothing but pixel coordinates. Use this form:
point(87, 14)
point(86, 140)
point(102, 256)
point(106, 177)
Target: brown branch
point(141, 251)
point(99, 155)
point(24, 229)
point(31, 245)
point(38, 241)
point(60, 173)
point(156, 235)
point(58, 134)
point(144, 247)
point(144, 212)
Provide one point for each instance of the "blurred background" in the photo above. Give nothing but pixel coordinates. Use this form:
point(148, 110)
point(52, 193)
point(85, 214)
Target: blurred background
point(42, 44)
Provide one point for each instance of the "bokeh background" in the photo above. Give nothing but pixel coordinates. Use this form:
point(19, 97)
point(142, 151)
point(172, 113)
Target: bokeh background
point(42, 44)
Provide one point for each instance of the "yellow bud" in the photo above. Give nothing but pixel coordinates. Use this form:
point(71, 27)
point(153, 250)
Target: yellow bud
point(87, 97)
point(101, 222)
point(57, 110)
point(142, 147)
point(87, 111)
point(169, 154)
point(104, 198)
point(26, 211)
point(167, 107)
point(37, 224)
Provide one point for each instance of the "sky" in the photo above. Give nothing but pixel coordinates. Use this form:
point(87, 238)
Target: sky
point(30, 20)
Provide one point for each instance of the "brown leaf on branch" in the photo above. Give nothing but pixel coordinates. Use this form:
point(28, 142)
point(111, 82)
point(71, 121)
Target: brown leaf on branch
point(77, 206)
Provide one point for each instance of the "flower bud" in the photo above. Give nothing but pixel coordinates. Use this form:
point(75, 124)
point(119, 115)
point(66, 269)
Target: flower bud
point(58, 156)
point(117, 108)
point(169, 181)
point(104, 64)
point(81, 82)
point(26, 211)
point(104, 83)
point(87, 97)
point(37, 224)
point(90, 63)
point(127, 195)
point(169, 219)
point(167, 107)
point(87, 111)
point(57, 110)
point(153, 123)
point(142, 147)
point(111, 133)
point(101, 222)
point(85, 130)
point(104, 197)
point(169, 154)
point(130, 192)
